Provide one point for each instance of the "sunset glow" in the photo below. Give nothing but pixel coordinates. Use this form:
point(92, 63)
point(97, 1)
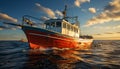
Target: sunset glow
point(101, 19)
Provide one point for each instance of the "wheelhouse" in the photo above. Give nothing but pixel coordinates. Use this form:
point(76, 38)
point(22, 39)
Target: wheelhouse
point(62, 26)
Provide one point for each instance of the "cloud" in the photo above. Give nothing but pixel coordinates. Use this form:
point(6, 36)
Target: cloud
point(1, 28)
point(108, 33)
point(111, 13)
point(79, 2)
point(117, 32)
point(43, 18)
point(18, 27)
point(59, 13)
point(107, 27)
point(47, 11)
point(102, 27)
point(92, 10)
point(5, 17)
point(116, 27)
point(13, 28)
point(97, 34)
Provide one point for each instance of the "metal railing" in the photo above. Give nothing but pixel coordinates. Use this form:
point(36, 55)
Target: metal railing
point(32, 21)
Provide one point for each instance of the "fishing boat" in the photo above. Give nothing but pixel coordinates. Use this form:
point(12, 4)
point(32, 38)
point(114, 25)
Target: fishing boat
point(54, 33)
point(60, 33)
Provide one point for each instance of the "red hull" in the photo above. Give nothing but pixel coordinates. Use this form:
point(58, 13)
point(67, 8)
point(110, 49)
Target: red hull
point(38, 39)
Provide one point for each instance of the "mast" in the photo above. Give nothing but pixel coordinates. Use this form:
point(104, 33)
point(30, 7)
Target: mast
point(72, 18)
point(65, 11)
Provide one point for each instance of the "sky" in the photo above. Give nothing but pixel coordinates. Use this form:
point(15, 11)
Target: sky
point(99, 18)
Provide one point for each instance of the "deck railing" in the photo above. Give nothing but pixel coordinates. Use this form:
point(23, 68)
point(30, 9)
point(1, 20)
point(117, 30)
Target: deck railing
point(32, 21)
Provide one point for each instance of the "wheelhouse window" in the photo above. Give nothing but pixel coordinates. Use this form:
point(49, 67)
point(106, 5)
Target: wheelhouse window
point(52, 25)
point(72, 29)
point(58, 24)
point(75, 30)
point(64, 25)
point(68, 27)
point(47, 25)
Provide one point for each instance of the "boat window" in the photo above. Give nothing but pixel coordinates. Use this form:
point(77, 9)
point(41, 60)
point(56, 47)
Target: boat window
point(72, 28)
point(76, 30)
point(68, 27)
point(64, 25)
point(52, 24)
point(47, 25)
point(58, 24)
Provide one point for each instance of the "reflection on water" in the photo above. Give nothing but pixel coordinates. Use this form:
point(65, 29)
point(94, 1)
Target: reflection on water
point(57, 59)
point(17, 55)
point(43, 61)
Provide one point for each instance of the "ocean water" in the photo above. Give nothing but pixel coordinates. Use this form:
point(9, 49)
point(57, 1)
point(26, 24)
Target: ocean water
point(104, 54)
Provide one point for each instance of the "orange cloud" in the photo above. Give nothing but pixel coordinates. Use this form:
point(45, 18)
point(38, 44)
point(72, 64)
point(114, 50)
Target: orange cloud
point(92, 10)
point(117, 32)
point(108, 33)
point(1, 28)
point(5, 17)
point(79, 2)
point(59, 13)
point(111, 13)
point(47, 11)
point(107, 36)
point(97, 34)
